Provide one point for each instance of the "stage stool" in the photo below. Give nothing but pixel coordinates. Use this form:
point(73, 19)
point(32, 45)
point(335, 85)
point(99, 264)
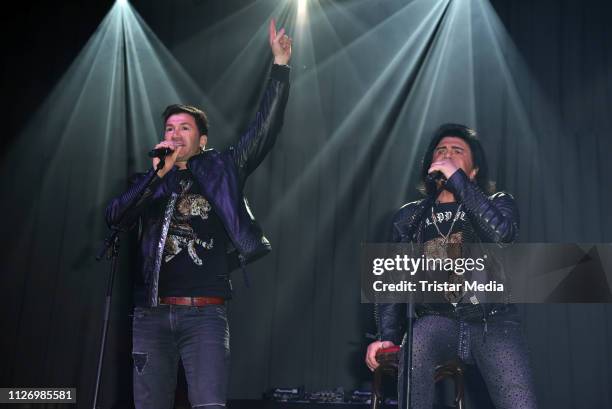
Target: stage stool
point(388, 358)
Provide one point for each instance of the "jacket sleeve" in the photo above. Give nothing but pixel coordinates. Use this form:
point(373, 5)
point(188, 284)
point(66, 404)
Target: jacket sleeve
point(496, 217)
point(118, 205)
point(391, 318)
point(256, 142)
point(390, 321)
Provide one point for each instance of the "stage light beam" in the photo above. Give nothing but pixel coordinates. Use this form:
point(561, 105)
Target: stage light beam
point(302, 11)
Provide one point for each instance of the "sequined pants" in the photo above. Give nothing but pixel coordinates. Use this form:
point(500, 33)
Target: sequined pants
point(501, 357)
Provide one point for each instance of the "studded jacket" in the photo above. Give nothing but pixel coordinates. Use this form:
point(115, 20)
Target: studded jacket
point(221, 177)
point(495, 219)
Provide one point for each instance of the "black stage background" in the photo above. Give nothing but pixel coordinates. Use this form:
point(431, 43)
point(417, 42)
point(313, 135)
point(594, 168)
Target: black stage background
point(326, 187)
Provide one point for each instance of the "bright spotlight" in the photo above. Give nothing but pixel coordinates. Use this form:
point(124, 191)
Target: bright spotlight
point(122, 2)
point(301, 10)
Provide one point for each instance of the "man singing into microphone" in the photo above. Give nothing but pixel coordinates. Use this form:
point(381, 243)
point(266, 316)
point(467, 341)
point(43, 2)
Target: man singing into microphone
point(460, 325)
point(195, 226)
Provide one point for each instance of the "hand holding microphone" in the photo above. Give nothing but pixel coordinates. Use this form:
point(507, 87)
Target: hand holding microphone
point(166, 150)
point(441, 170)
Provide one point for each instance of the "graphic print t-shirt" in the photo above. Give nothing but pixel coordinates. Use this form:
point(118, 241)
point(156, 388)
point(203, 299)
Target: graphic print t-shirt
point(443, 214)
point(194, 261)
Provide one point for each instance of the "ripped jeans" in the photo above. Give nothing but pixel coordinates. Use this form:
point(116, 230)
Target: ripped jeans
point(199, 336)
point(501, 357)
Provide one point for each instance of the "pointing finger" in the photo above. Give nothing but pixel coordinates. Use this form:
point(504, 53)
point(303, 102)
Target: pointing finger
point(272, 31)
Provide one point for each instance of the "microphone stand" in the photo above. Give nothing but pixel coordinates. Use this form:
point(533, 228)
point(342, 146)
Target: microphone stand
point(110, 251)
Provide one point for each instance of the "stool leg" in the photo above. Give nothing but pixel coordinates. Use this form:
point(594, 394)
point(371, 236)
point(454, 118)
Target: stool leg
point(459, 390)
point(377, 388)
point(375, 402)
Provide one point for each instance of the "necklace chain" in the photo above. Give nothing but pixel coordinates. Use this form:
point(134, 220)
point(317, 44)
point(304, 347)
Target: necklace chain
point(450, 230)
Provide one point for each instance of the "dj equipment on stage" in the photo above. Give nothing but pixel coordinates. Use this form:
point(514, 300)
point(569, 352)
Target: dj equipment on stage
point(336, 397)
point(285, 394)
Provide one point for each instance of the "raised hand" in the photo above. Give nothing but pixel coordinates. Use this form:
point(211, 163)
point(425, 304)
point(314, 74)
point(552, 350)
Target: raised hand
point(280, 43)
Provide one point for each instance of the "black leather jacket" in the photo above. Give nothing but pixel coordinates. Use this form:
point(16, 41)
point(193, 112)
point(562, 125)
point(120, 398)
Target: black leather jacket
point(221, 177)
point(495, 219)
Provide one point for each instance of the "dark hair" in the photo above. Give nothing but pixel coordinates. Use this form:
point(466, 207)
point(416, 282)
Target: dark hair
point(478, 156)
point(198, 115)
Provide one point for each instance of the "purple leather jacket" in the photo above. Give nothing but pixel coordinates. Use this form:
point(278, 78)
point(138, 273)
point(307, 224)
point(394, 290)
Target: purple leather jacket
point(494, 218)
point(221, 177)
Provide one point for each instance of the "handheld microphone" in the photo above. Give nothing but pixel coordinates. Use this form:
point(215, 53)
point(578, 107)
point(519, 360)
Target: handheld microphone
point(160, 152)
point(436, 176)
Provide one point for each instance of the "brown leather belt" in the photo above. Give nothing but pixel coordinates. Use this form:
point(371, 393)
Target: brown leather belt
point(194, 301)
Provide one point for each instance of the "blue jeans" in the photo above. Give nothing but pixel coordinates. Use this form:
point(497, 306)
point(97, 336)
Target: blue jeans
point(199, 336)
point(502, 359)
